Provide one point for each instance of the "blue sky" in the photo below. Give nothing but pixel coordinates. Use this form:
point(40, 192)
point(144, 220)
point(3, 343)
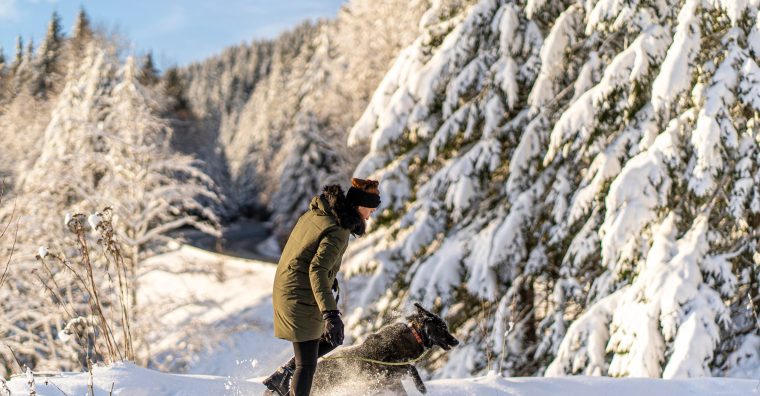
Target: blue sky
point(178, 31)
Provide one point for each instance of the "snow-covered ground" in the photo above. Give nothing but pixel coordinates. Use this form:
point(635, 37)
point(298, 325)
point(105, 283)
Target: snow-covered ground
point(214, 317)
point(128, 379)
point(214, 322)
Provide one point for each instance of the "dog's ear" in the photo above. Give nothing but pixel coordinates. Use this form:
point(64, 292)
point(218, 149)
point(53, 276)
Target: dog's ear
point(422, 311)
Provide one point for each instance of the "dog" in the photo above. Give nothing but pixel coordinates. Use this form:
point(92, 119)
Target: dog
point(398, 342)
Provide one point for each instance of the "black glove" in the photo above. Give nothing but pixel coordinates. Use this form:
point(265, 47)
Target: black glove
point(333, 327)
point(336, 289)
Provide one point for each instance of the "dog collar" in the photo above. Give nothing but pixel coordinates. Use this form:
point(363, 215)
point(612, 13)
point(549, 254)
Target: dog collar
point(416, 334)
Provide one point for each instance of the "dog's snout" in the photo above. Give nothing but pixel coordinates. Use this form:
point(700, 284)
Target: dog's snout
point(454, 342)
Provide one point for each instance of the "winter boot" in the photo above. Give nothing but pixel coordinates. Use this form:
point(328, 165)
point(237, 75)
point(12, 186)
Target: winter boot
point(279, 382)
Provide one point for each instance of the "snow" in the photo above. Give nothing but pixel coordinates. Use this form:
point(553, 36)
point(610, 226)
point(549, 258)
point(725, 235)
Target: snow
point(734, 9)
point(750, 84)
point(754, 36)
point(631, 65)
point(602, 11)
point(560, 38)
point(439, 272)
point(94, 220)
point(675, 74)
point(215, 317)
point(743, 361)
point(128, 379)
point(714, 129)
point(582, 350)
point(635, 194)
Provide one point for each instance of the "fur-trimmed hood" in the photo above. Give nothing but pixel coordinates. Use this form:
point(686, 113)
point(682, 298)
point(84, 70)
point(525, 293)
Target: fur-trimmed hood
point(332, 201)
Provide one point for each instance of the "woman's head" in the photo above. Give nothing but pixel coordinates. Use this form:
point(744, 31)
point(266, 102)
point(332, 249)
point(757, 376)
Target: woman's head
point(364, 196)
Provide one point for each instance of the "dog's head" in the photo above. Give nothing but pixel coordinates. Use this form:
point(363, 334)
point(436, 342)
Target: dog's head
point(435, 328)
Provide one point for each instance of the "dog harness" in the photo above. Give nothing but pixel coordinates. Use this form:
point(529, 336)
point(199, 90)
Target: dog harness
point(416, 334)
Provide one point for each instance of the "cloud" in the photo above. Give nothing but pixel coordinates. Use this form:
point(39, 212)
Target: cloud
point(8, 10)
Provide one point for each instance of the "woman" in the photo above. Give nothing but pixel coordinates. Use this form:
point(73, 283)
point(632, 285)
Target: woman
point(305, 310)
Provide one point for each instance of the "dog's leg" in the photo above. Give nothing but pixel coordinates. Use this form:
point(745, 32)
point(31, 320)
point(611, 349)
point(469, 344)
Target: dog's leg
point(392, 376)
point(416, 379)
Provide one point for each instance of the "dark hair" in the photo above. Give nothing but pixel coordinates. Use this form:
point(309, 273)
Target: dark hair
point(370, 186)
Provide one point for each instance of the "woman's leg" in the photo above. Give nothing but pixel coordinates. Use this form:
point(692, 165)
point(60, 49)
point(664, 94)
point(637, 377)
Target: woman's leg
point(280, 380)
point(307, 353)
point(324, 348)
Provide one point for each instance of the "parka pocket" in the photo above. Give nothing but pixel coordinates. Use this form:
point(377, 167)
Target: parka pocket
point(298, 266)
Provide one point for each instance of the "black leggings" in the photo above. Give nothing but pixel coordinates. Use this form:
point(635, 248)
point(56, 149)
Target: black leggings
point(305, 364)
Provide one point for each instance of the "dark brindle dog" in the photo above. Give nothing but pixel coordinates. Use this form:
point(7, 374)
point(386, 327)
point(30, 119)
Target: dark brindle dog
point(399, 342)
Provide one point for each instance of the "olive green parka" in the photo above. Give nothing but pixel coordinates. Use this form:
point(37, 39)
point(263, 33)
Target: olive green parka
point(309, 263)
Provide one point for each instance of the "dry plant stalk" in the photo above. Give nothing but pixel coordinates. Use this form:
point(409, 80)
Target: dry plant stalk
point(76, 224)
point(85, 276)
point(4, 275)
point(485, 329)
point(114, 256)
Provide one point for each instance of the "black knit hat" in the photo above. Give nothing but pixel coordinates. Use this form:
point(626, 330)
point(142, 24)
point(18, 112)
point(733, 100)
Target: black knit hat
point(364, 193)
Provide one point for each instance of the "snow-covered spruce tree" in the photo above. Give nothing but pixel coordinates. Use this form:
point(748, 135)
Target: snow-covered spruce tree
point(307, 162)
point(3, 75)
point(81, 35)
point(148, 73)
point(20, 68)
point(47, 68)
point(692, 179)
point(533, 154)
point(152, 189)
point(434, 134)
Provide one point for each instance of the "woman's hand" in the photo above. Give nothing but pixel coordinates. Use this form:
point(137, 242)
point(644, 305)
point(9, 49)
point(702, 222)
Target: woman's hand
point(333, 327)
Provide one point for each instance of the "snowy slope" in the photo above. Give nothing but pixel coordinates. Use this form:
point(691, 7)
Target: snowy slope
point(128, 379)
point(213, 317)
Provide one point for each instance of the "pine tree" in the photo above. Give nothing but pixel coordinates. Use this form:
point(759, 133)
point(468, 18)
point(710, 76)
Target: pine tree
point(591, 186)
point(29, 52)
point(3, 76)
point(19, 53)
point(23, 70)
point(174, 87)
point(307, 162)
point(47, 65)
point(148, 72)
point(82, 34)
